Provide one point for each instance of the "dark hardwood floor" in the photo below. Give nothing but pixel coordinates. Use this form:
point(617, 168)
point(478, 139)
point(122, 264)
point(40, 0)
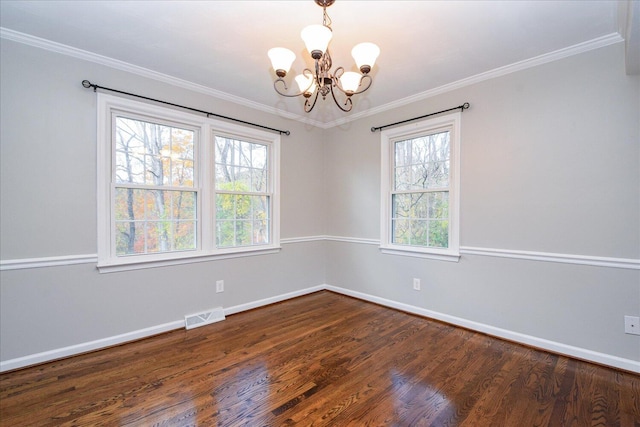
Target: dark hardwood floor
point(320, 360)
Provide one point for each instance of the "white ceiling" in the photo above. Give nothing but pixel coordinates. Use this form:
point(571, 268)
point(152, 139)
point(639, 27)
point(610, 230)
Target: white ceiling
point(222, 45)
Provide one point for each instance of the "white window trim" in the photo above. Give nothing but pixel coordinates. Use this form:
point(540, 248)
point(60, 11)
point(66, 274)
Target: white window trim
point(388, 137)
point(206, 249)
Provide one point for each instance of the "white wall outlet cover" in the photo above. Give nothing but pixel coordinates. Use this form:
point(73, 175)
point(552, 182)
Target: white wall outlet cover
point(632, 325)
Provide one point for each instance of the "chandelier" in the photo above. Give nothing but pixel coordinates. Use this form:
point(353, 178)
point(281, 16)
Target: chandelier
point(323, 81)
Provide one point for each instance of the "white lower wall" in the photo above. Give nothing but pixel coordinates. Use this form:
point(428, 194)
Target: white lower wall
point(565, 308)
point(544, 344)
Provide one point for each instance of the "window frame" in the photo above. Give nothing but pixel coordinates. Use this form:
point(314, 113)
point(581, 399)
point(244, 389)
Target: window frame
point(204, 185)
point(389, 137)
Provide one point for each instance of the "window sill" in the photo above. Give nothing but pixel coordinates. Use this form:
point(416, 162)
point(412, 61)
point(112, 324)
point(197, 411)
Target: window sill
point(451, 256)
point(142, 262)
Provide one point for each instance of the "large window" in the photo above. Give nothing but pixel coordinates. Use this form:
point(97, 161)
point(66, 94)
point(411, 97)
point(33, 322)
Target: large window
point(175, 187)
point(420, 176)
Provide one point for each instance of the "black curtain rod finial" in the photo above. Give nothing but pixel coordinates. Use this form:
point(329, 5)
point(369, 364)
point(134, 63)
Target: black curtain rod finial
point(87, 84)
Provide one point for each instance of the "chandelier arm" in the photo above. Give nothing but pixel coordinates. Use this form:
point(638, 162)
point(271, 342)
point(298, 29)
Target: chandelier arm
point(275, 86)
point(327, 61)
point(346, 102)
point(308, 108)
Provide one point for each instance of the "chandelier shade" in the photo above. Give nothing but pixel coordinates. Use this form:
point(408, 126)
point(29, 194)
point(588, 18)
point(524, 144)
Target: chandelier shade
point(350, 81)
point(281, 59)
point(316, 38)
point(365, 55)
point(306, 84)
point(322, 80)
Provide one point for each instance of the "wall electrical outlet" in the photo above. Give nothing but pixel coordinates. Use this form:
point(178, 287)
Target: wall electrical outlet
point(219, 286)
point(416, 284)
point(632, 325)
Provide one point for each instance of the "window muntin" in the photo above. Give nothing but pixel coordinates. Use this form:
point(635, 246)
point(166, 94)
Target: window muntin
point(419, 192)
point(242, 193)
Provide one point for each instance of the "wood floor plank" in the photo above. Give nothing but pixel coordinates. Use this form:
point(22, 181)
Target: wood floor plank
point(320, 360)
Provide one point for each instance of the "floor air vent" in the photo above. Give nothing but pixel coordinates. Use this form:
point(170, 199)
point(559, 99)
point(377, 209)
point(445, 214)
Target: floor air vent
point(204, 318)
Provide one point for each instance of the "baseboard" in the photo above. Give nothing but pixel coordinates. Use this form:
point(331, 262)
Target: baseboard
point(272, 300)
point(73, 350)
point(60, 353)
point(541, 343)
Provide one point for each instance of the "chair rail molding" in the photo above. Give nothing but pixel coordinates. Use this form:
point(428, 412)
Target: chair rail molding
point(596, 261)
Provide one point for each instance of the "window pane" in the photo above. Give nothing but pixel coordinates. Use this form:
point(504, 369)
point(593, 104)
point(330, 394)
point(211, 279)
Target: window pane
point(259, 156)
point(400, 232)
point(438, 174)
point(422, 162)
point(243, 233)
point(401, 205)
point(402, 153)
point(185, 235)
point(439, 205)
point(421, 219)
point(260, 207)
point(128, 203)
point(259, 180)
point(420, 205)
point(150, 221)
point(240, 165)
point(402, 179)
point(242, 179)
point(242, 220)
point(146, 153)
point(129, 238)
point(439, 234)
point(260, 232)
point(225, 233)
point(419, 234)
point(419, 176)
point(157, 237)
point(225, 206)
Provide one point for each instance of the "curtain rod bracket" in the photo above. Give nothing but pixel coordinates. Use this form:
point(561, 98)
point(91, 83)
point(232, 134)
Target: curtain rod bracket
point(87, 84)
point(459, 107)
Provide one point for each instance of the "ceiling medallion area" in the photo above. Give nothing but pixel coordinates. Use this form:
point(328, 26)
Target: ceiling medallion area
point(322, 81)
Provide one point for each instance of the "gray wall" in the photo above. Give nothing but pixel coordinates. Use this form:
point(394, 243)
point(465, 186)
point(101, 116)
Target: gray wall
point(48, 209)
point(550, 163)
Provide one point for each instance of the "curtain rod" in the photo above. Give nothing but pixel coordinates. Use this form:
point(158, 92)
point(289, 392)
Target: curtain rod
point(88, 84)
point(459, 107)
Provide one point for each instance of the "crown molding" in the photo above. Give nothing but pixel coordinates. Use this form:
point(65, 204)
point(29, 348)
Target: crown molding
point(597, 43)
point(41, 43)
point(63, 49)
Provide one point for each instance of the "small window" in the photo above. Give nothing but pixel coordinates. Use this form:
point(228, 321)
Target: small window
point(420, 172)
